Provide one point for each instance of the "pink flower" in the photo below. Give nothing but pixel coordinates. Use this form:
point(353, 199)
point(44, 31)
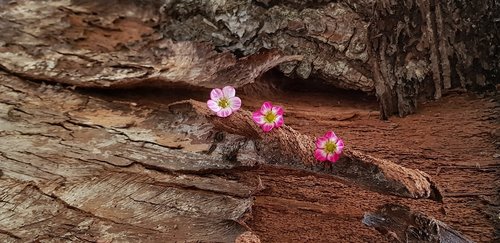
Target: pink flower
point(224, 102)
point(269, 116)
point(329, 147)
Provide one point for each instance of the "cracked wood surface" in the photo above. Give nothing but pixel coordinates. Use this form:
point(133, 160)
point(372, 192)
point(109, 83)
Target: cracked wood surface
point(401, 224)
point(159, 171)
point(166, 129)
point(403, 51)
point(66, 43)
point(78, 168)
point(147, 174)
point(118, 171)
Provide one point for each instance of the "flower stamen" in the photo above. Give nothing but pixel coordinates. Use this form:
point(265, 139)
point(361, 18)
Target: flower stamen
point(270, 117)
point(330, 147)
point(223, 103)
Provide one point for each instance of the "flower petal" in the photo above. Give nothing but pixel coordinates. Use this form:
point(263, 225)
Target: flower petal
point(258, 118)
point(330, 135)
point(229, 92)
point(266, 127)
point(320, 154)
point(266, 107)
point(278, 110)
point(321, 142)
point(333, 157)
point(235, 103)
point(279, 121)
point(340, 146)
point(213, 106)
point(216, 94)
point(225, 112)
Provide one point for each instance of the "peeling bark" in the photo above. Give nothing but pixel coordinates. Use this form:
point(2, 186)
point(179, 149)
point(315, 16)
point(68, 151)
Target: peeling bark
point(142, 170)
point(287, 147)
point(152, 59)
point(103, 52)
point(331, 36)
point(77, 168)
point(401, 51)
point(400, 224)
point(422, 47)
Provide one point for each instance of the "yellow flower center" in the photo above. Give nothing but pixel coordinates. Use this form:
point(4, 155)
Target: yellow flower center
point(330, 147)
point(223, 103)
point(270, 117)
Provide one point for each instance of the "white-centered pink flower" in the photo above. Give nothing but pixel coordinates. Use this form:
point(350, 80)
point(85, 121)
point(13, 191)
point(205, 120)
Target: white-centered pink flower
point(269, 116)
point(224, 101)
point(329, 147)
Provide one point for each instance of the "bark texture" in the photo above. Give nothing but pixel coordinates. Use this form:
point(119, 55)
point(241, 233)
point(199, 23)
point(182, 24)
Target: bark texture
point(400, 224)
point(401, 50)
point(76, 168)
point(60, 42)
point(118, 171)
point(423, 48)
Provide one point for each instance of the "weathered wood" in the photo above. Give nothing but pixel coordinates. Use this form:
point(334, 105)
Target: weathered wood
point(64, 43)
point(116, 163)
point(78, 168)
point(401, 50)
point(332, 36)
point(426, 47)
point(400, 224)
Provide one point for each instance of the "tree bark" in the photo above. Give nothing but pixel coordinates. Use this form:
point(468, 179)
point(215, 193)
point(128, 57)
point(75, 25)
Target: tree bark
point(400, 224)
point(426, 47)
point(78, 168)
point(103, 52)
point(399, 50)
point(149, 174)
point(287, 147)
